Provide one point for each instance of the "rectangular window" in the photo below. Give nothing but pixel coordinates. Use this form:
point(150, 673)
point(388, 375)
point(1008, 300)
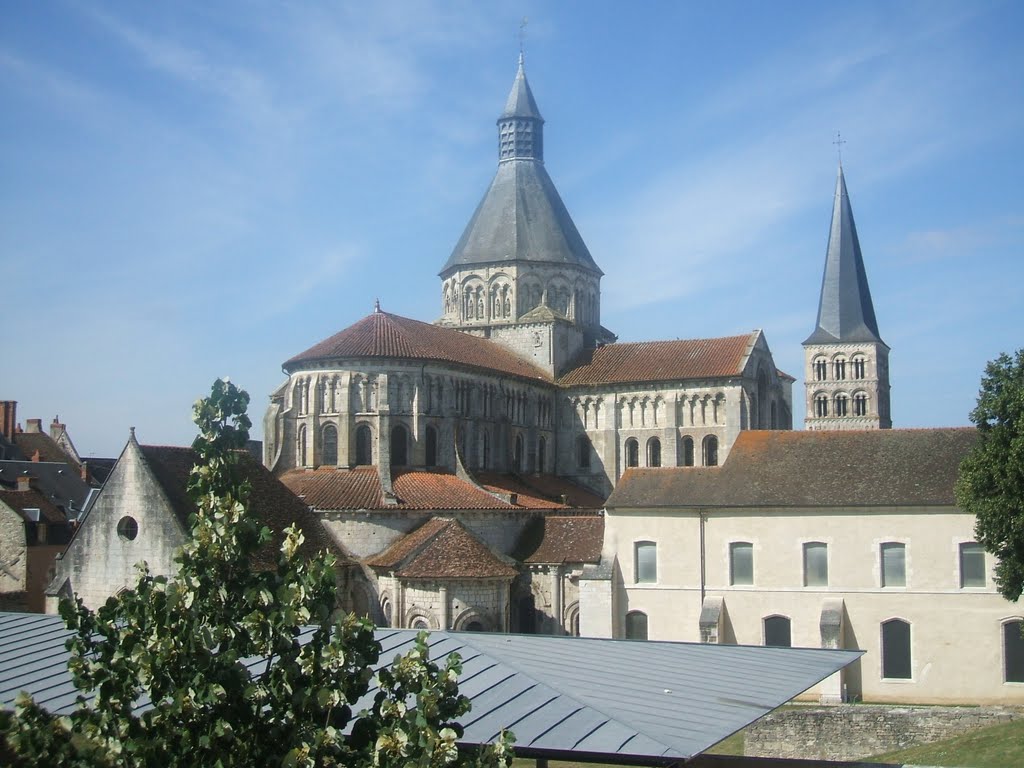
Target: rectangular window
point(815, 564)
point(894, 565)
point(1013, 652)
point(972, 565)
point(741, 563)
point(896, 650)
point(646, 553)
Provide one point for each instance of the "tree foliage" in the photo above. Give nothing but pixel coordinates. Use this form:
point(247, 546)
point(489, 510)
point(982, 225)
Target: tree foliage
point(188, 645)
point(991, 482)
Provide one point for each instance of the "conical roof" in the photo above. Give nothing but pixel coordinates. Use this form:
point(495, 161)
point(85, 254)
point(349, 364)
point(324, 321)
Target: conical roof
point(521, 217)
point(845, 311)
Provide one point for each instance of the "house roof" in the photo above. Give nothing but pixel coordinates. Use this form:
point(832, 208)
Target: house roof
point(59, 482)
point(845, 311)
point(31, 442)
point(384, 335)
point(564, 539)
point(661, 361)
point(327, 488)
point(269, 501)
point(883, 467)
point(442, 548)
point(572, 698)
point(19, 501)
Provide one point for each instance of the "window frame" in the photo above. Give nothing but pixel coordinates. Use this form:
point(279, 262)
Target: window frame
point(776, 620)
point(632, 449)
point(1006, 628)
point(654, 452)
point(629, 628)
point(709, 450)
point(643, 564)
point(806, 549)
point(891, 546)
point(886, 651)
point(747, 548)
point(972, 548)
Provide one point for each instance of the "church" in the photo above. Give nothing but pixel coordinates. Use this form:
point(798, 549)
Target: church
point(465, 462)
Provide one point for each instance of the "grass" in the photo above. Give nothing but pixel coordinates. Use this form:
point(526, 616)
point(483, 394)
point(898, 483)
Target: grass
point(998, 746)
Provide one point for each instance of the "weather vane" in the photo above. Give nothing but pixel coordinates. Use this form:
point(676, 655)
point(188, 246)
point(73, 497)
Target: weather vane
point(522, 33)
point(839, 145)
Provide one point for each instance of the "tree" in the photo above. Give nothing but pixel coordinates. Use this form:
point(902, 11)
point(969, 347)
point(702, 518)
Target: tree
point(182, 642)
point(991, 482)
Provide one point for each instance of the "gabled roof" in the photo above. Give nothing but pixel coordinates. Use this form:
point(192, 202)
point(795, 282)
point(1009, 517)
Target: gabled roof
point(269, 501)
point(851, 469)
point(648, 361)
point(328, 488)
point(443, 548)
point(845, 311)
point(564, 539)
point(31, 442)
point(59, 482)
point(573, 698)
point(384, 335)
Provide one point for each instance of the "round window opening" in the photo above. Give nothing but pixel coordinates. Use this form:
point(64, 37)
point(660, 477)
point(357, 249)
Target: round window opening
point(128, 528)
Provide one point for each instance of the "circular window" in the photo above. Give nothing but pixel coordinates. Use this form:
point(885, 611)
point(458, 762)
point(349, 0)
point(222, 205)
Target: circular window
point(128, 528)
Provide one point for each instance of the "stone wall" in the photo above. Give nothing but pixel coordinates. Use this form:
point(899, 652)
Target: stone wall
point(861, 730)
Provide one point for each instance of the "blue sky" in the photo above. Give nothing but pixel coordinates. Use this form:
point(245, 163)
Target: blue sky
point(192, 190)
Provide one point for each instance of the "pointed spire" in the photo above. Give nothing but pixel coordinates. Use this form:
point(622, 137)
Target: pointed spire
point(520, 127)
point(845, 311)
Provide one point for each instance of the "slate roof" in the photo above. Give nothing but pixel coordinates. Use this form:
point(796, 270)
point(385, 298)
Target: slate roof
point(33, 499)
point(661, 361)
point(269, 501)
point(384, 335)
point(564, 539)
point(845, 311)
point(520, 102)
point(564, 697)
point(327, 488)
point(61, 483)
point(855, 469)
point(443, 548)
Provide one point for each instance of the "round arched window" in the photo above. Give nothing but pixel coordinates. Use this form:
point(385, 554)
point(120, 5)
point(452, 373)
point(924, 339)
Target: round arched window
point(127, 528)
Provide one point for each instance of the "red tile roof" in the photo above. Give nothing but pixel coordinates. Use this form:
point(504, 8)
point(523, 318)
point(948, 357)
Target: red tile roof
point(568, 539)
point(443, 549)
point(382, 334)
point(30, 442)
point(855, 469)
point(33, 499)
point(540, 491)
point(661, 361)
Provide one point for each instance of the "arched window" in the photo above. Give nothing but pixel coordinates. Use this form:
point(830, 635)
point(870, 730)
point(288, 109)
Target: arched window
point(636, 625)
point(632, 452)
point(485, 450)
point(777, 631)
point(645, 562)
point(654, 452)
point(775, 415)
point(687, 451)
point(710, 451)
point(329, 445)
point(839, 368)
point(583, 452)
point(399, 446)
point(896, 650)
point(364, 445)
point(1013, 652)
point(519, 456)
point(859, 366)
point(542, 454)
point(762, 398)
point(821, 405)
point(431, 437)
point(385, 609)
point(860, 404)
point(300, 447)
point(841, 404)
point(820, 369)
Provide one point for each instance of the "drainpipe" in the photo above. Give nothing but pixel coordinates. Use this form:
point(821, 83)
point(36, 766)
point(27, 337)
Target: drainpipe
point(703, 519)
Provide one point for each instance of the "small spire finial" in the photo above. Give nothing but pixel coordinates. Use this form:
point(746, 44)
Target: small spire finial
point(522, 37)
point(839, 147)
point(376, 305)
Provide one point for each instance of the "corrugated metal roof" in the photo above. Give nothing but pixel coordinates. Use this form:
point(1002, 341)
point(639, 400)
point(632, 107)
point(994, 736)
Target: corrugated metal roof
point(561, 696)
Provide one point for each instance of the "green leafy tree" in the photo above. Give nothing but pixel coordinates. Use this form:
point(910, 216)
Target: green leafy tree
point(991, 482)
point(187, 644)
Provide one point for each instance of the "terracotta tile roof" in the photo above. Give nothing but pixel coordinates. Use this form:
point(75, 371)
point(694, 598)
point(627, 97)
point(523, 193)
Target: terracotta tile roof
point(884, 467)
point(660, 361)
point(565, 539)
point(541, 491)
point(382, 334)
point(33, 499)
point(30, 442)
point(269, 500)
point(443, 549)
point(360, 488)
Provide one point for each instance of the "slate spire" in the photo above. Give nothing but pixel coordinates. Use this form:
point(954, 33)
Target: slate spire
point(520, 127)
point(845, 311)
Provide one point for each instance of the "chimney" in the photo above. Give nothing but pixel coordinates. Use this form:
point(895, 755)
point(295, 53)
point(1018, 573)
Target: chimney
point(86, 478)
point(8, 417)
point(34, 426)
point(25, 483)
point(56, 427)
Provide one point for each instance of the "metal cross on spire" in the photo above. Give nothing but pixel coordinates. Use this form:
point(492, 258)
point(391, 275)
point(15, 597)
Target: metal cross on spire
point(839, 146)
point(522, 33)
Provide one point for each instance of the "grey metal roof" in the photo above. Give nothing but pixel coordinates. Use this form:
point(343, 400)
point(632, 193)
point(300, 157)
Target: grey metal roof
point(845, 311)
point(521, 216)
point(577, 698)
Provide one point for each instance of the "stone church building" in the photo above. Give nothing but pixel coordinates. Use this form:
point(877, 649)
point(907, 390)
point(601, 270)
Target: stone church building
point(465, 462)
